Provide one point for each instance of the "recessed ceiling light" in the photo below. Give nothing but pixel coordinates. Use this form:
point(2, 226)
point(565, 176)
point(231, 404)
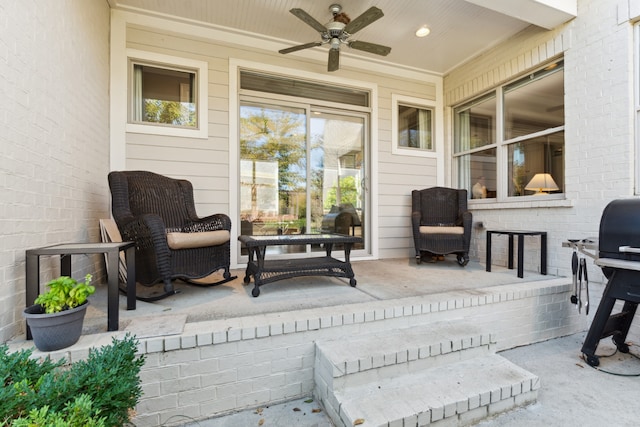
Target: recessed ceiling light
point(423, 31)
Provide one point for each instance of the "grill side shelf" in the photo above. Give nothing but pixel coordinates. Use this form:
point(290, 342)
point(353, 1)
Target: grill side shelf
point(618, 263)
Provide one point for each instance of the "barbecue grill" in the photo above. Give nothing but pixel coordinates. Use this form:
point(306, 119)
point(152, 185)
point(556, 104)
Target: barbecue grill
point(619, 258)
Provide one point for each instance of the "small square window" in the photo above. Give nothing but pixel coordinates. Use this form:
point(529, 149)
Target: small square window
point(163, 96)
point(413, 126)
point(167, 95)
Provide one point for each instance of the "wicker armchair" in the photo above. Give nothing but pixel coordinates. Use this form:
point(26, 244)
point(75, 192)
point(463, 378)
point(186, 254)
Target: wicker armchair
point(172, 242)
point(441, 222)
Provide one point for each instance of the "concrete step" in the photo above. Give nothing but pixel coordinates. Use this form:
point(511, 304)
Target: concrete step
point(386, 354)
point(457, 394)
point(443, 373)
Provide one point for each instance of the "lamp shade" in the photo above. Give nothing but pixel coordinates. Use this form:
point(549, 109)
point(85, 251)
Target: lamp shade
point(542, 183)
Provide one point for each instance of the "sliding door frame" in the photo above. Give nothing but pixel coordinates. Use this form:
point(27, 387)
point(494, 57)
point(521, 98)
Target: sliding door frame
point(371, 151)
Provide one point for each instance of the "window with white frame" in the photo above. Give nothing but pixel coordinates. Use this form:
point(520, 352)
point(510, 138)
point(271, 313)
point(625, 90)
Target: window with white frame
point(412, 126)
point(510, 142)
point(167, 95)
point(163, 96)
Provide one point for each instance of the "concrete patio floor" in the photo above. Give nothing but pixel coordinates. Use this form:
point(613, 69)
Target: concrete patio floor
point(377, 280)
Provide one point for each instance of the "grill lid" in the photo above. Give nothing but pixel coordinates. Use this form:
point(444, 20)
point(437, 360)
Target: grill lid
point(620, 226)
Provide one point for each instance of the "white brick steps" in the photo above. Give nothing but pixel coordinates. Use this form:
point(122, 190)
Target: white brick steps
point(340, 363)
point(460, 393)
point(436, 374)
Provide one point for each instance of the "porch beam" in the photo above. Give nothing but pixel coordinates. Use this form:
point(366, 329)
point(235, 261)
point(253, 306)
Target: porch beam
point(543, 13)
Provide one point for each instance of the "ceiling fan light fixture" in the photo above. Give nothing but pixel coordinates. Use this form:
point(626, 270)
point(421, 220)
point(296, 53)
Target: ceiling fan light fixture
point(423, 31)
point(335, 43)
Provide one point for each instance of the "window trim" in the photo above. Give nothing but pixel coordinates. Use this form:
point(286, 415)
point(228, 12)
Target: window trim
point(235, 64)
point(396, 101)
point(200, 68)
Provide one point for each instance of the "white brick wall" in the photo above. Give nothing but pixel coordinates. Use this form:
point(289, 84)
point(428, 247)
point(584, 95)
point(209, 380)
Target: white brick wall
point(54, 137)
point(597, 48)
point(599, 153)
point(217, 367)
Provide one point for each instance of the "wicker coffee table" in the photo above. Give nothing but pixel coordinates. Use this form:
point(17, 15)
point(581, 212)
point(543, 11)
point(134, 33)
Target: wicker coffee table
point(272, 270)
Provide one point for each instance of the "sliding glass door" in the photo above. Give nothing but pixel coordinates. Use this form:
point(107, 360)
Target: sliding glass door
point(302, 170)
point(337, 172)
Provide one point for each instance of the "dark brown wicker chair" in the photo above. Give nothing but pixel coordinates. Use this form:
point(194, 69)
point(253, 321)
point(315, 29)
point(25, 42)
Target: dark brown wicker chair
point(172, 242)
point(441, 222)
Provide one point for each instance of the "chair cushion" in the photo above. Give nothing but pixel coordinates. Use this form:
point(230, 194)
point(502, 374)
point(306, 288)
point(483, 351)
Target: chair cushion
point(177, 240)
point(441, 229)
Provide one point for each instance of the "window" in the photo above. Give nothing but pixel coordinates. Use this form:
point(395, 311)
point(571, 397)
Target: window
point(412, 126)
point(163, 96)
point(475, 128)
point(166, 95)
point(530, 138)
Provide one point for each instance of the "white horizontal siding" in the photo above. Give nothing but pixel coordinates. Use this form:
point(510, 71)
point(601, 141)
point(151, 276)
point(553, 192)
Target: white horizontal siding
point(205, 162)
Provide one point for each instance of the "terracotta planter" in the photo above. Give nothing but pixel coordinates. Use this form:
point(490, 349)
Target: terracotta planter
point(55, 331)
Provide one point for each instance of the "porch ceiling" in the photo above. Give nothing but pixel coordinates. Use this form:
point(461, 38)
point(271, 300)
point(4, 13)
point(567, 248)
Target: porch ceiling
point(460, 29)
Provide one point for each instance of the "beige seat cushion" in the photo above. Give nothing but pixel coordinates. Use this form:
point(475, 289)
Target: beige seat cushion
point(438, 229)
point(197, 240)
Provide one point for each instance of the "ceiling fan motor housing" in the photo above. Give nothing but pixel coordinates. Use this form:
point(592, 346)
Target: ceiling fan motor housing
point(335, 28)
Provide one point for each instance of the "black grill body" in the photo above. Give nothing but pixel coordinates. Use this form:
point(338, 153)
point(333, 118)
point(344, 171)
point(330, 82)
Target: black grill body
point(619, 227)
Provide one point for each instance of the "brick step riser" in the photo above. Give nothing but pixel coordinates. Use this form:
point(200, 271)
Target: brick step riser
point(467, 418)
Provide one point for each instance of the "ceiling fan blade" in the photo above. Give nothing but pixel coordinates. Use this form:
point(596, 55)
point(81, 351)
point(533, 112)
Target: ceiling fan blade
point(308, 19)
point(334, 60)
point(370, 15)
point(300, 47)
point(370, 47)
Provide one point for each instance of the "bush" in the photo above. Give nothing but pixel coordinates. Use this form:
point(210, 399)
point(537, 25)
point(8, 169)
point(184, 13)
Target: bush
point(98, 391)
point(78, 412)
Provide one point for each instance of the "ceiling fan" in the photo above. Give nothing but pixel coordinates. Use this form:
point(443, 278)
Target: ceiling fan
point(338, 31)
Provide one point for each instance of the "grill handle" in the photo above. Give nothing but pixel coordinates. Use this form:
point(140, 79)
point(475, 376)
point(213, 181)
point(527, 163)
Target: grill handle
point(629, 249)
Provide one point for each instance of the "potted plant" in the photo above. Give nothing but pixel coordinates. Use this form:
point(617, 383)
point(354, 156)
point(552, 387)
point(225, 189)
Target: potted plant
point(56, 317)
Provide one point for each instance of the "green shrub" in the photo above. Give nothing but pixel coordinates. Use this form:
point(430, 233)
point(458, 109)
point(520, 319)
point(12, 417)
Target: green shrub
point(98, 391)
point(76, 413)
